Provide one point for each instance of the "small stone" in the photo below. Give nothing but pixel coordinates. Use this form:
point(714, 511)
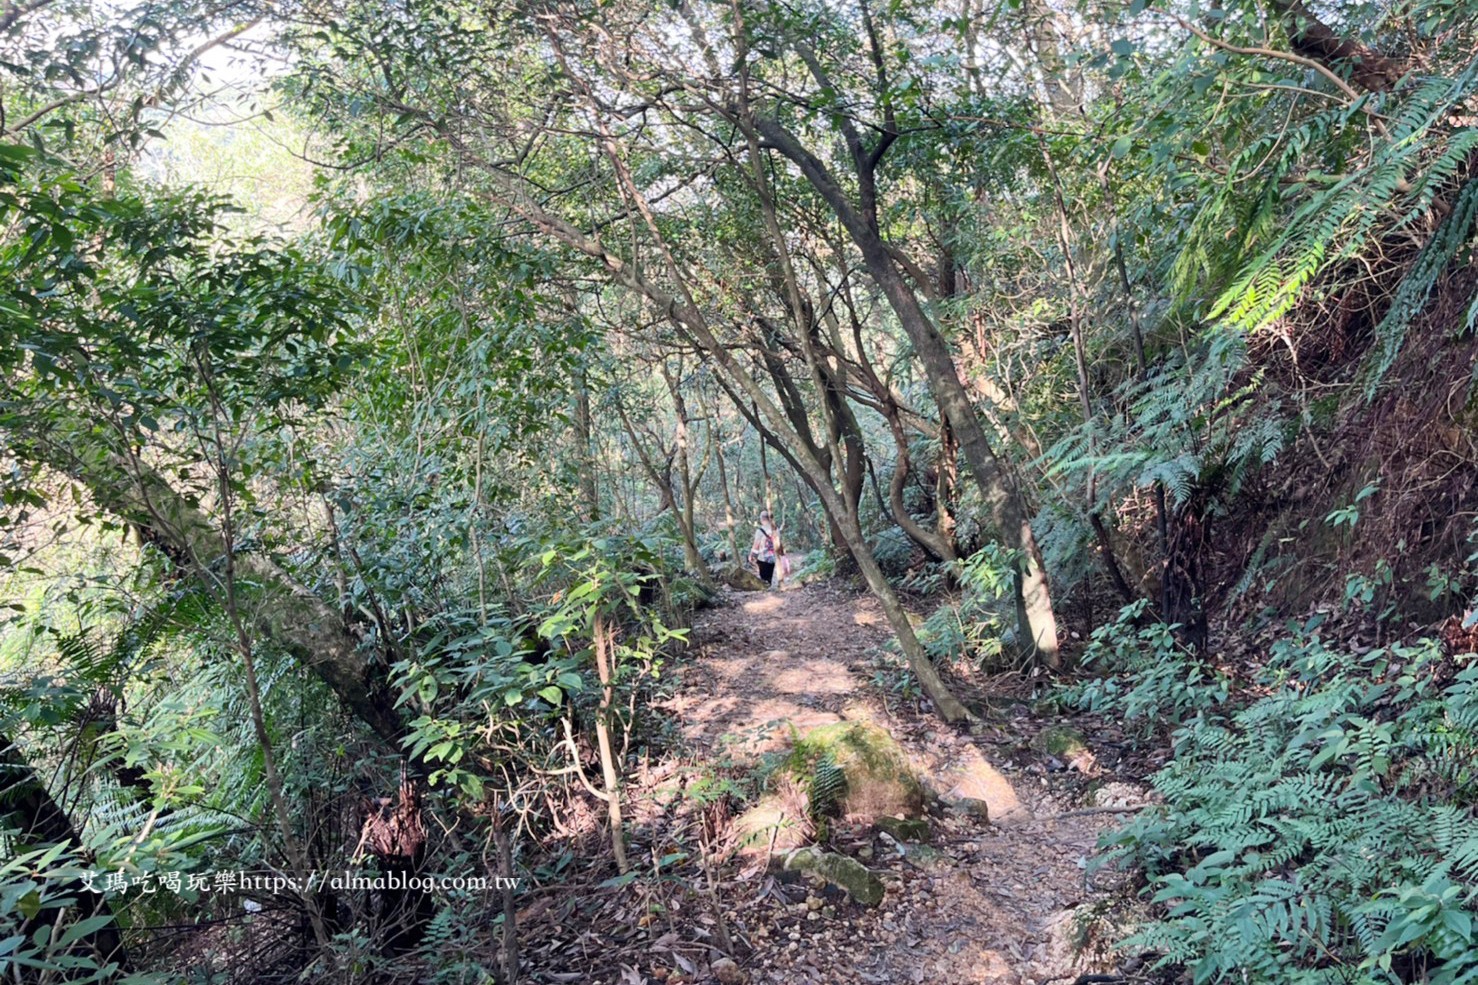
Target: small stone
point(972, 806)
point(813, 915)
point(743, 579)
point(727, 972)
point(813, 903)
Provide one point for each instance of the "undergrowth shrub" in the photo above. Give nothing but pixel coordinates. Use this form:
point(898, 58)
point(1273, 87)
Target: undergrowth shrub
point(1147, 678)
point(894, 551)
point(978, 625)
point(1321, 830)
point(475, 669)
point(816, 566)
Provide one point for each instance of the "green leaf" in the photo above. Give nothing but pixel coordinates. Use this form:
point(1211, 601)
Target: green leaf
point(616, 882)
point(29, 905)
point(83, 928)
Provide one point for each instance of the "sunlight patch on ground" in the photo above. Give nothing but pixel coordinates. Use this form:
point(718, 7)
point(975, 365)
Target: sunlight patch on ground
point(770, 603)
point(983, 967)
point(775, 721)
point(734, 670)
point(815, 677)
point(866, 618)
point(973, 777)
point(861, 711)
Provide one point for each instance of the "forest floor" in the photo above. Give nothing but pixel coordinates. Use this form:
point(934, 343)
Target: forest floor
point(1006, 900)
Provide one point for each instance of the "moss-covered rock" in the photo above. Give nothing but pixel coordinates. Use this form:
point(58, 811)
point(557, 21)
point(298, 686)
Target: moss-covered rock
point(743, 580)
point(847, 874)
point(973, 806)
point(924, 856)
point(1060, 741)
point(905, 828)
point(857, 770)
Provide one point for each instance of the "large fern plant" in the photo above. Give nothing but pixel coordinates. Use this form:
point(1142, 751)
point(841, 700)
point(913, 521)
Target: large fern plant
point(1323, 833)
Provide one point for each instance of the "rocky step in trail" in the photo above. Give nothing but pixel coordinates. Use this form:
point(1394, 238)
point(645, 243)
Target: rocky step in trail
point(887, 846)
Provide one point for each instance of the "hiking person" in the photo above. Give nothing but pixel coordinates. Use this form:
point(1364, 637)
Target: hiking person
point(766, 547)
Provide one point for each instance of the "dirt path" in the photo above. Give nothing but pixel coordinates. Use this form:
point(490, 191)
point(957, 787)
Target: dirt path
point(1000, 901)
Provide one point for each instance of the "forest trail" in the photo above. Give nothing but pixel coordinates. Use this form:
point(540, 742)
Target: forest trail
point(998, 901)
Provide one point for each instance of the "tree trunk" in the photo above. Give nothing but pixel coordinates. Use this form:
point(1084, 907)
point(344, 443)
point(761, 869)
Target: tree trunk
point(938, 547)
point(769, 438)
point(662, 481)
point(716, 435)
point(503, 846)
point(1312, 38)
point(1036, 621)
point(844, 521)
point(584, 459)
point(1035, 618)
point(946, 478)
point(689, 486)
point(1077, 312)
point(40, 822)
point(604, 637)
point(688, 317)
point(947, 704)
